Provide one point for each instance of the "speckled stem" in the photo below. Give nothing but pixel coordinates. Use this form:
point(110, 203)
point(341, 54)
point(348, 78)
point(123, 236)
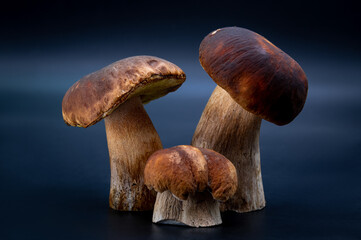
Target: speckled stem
point(200, 210)
point(232, 131)
point(131, 138)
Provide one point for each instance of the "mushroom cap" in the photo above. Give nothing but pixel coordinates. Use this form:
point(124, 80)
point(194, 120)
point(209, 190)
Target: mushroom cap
point(98, 94)
point(185, 170)
point(180, 169)
point(260, 77)
point(222, 175)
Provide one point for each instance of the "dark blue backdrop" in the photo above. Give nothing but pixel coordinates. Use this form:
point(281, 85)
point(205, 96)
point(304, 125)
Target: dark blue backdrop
point(54, 179)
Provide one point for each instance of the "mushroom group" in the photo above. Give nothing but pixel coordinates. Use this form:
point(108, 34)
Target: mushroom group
point(221, 169)
point(190, 183)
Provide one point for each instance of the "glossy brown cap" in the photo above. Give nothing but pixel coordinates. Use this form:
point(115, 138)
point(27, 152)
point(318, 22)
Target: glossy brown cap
point(258, 76)
point(222, 175)
point(96, 95)
point(181, 170)
point(185, 170)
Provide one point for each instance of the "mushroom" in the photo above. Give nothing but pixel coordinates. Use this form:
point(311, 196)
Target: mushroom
point(256, 80)
point(117, 94)
point(189, 182)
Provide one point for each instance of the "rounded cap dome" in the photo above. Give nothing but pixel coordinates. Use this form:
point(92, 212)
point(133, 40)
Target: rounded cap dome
point(185, 170)
point(258, 76)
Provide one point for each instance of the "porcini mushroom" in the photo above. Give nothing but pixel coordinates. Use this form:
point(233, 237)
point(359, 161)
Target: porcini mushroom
point(117, 93)
point(256, 80)
point(189, 182)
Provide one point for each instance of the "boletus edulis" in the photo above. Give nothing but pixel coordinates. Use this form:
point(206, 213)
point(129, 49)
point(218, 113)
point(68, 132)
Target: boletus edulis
point(256, 80)
point(190, 183)
point(117, 94)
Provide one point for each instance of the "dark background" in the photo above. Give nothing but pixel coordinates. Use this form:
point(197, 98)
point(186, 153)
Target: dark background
point(54, 179)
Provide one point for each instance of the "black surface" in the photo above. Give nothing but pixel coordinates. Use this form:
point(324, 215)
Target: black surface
point(54, 179)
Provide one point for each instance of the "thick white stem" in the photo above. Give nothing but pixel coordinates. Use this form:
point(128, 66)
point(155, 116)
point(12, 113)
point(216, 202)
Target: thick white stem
point(200, 210)
point(232, 131)
point(131, 138)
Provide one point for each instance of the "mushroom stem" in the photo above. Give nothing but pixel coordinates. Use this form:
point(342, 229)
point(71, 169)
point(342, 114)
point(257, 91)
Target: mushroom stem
point(232, 131)
point(199, 210)
point(131, 138)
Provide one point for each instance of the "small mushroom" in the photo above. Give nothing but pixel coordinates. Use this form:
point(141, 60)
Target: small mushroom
point(256, 80)
point(117, 93)
point(190, 183)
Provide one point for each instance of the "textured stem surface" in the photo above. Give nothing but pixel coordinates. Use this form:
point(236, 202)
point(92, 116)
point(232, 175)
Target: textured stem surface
point(232, 131)
point(131, 138)
point(200, 210)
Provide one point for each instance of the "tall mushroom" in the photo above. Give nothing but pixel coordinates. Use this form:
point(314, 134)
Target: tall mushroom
point(117, 93)
point(189, 182)
point(256, 80)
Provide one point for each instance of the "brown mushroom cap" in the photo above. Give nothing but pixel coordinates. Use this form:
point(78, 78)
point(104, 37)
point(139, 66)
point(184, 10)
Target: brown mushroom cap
point(96, 95)
point(181, 169)
point(222, 175)
point(185, 170)
point(258, 76)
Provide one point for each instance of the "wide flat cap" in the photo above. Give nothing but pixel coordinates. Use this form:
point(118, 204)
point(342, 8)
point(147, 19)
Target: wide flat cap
point(258, 76)
point(185, 170)
point(96, 95)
